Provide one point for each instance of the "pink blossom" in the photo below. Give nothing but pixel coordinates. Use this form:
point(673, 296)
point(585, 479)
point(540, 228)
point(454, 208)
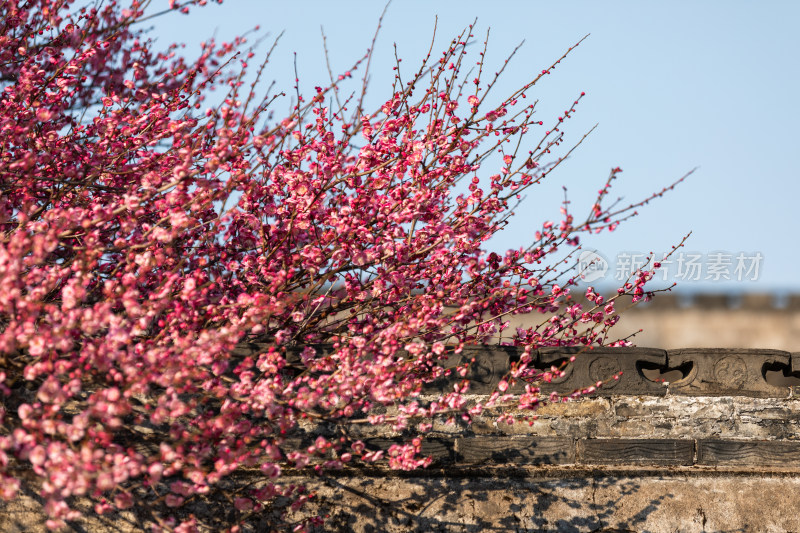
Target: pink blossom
point(271, 470)
point(339, 280)
point(243, 504)
point(173, 500)
point(123, 500)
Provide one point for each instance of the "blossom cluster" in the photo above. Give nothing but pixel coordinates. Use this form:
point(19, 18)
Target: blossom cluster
point(146, 234)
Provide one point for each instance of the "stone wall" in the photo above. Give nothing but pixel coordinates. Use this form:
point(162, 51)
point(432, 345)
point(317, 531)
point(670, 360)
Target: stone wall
point(717, 448)
point(685, 440)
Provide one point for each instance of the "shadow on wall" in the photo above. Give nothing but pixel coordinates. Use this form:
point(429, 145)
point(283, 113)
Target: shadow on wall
point(504, 500)
point(396, 504)
point(474, 505)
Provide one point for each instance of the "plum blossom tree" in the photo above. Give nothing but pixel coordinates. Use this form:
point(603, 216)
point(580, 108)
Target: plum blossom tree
point(146, 236)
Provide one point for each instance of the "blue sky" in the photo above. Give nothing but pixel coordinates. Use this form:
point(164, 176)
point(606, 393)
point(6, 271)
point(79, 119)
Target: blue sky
point(673, 86)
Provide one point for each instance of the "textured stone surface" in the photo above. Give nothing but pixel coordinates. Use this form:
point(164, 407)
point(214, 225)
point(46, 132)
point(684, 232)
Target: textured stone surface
point(562, 501)
point(742, 452)
point(720, 371)
point(655, 504)
point(636, 451)
point(515, 450)
point(670, 417)
point(617, 368)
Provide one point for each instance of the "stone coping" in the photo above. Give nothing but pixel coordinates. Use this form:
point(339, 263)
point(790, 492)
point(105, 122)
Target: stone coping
point(757, 373)
point(650, 371)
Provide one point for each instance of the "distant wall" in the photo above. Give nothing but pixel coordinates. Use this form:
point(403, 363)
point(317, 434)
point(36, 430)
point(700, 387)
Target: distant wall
point(752, 321)
point(710, 320)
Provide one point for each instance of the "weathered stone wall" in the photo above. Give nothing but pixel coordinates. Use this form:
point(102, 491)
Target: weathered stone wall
point(684, 441)
point(717, 448)
point(542, 500)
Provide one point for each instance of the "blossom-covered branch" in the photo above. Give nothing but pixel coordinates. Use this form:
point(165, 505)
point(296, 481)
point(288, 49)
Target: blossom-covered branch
point(350, 249)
